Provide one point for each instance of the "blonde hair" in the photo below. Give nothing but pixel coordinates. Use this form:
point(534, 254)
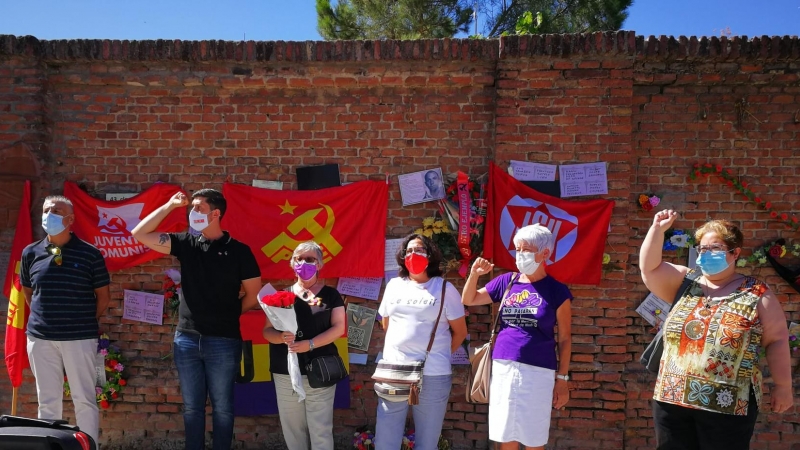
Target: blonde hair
point(727, 230)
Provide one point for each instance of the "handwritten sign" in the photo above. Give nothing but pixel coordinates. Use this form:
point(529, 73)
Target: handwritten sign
point(583, 179)
point(143, 307)
point(528, 171)
point(653, 310)
point(361, 287)
point(390, 251)
point(459, 357)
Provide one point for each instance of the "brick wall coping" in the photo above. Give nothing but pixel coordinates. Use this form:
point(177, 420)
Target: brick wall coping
point(560, 45)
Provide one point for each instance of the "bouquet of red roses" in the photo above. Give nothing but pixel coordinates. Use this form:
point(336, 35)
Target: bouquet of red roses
point(279, 308)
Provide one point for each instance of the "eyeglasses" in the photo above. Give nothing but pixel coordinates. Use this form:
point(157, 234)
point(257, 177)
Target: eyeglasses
point(56, 252)
point(417, 251)
point(712, 248)
point(308, 259)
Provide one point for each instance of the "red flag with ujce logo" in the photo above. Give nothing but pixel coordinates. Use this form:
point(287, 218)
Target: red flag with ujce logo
point(348, 222)
point(107, 224)
point(580, 228)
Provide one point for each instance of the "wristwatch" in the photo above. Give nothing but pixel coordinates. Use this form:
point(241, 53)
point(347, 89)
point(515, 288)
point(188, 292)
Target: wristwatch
point(562, 377)
point(310, 344)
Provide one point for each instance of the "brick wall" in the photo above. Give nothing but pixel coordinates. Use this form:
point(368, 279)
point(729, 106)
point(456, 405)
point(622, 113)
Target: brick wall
point(120, 116)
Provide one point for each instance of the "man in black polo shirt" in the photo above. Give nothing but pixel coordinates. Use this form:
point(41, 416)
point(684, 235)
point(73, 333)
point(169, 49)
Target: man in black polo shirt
point(208, 344)
point(65, 284)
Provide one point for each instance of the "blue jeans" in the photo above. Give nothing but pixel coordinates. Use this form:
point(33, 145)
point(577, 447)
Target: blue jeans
point(428, 416)
point(207, 367)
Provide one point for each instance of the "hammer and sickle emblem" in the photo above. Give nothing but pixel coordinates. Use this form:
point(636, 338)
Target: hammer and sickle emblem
point(281, 248)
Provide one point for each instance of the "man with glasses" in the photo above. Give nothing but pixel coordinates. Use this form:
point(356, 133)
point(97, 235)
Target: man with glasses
point(65, 284)
point(208, 343)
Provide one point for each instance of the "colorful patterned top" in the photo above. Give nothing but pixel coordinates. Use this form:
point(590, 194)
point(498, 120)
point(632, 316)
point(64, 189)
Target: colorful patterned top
point(711, 350)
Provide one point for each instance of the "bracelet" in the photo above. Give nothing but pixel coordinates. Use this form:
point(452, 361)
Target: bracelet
point(310, 344)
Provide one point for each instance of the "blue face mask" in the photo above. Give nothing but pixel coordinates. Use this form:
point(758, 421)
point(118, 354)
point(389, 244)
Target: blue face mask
point(712, 263)
point(53, 224)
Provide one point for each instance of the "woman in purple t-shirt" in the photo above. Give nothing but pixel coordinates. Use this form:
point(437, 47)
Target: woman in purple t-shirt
point(527, 377)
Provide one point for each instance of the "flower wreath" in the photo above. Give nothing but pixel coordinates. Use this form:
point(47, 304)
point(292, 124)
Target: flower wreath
point(172, 292)
point(443, 228)
point(776, 249)
point(113, 366)
point(648, 202)
point(677, 240)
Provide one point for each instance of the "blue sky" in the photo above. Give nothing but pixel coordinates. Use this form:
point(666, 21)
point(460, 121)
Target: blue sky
point(296, 19)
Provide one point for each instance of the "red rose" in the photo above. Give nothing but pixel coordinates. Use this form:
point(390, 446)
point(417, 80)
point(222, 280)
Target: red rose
point(168, 283)
point(122, 382)
point(768, 205)
point(114, 395)
point(775, 251)
point(113, 363)
point(647, 206)
point(718, 169)
point(794, 219)
point(169, 294)
point(773, 214)
point(784, 216)
point(707, 165)
point(729, 183)
point(696, 173)
point(744, 184)
point(104, 404)
point(758, 200)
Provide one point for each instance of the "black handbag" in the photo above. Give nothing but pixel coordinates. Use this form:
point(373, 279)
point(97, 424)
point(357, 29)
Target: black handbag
point(651, 357)
point(325, 371)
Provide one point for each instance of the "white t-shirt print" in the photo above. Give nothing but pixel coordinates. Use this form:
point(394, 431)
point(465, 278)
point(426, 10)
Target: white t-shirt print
point(412, 309)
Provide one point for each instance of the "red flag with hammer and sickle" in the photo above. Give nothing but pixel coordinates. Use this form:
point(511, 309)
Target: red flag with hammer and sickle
point(348, 222)
point(579, 228)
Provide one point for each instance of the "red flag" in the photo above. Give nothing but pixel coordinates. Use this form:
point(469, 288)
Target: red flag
point(107, 225)
point(17, 319)
point(348, 222)
point(580, 228)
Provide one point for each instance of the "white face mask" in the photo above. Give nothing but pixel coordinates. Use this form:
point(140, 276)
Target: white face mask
point(526, 263)
point(198, 221)
point(53, 224)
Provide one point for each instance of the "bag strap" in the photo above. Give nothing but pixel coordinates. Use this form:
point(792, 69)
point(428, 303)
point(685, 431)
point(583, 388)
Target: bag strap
point(436, 324)
point(502, 299)
point(688, 279)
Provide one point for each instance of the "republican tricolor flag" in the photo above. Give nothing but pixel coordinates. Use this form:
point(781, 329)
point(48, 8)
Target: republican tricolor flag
point(348, 222)
point(16, 342)
point(580, 228)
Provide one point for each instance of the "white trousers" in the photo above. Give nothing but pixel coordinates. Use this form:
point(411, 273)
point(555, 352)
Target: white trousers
point(306, 424)
point(49, 361)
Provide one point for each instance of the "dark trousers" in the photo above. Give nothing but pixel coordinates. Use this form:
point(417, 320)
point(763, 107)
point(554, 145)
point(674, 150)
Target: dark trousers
point(681, 428)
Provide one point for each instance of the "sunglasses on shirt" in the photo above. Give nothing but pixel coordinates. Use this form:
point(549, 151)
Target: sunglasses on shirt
point(56, 252)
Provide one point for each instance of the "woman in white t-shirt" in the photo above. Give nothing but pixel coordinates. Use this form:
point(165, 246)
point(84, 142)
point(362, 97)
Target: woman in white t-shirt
point(409, 308)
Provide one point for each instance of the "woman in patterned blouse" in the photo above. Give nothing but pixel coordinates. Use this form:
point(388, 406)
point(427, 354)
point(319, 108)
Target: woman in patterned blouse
point(708, 389)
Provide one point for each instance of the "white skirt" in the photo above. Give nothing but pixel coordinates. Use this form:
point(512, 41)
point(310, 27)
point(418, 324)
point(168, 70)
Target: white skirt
point(520, 403)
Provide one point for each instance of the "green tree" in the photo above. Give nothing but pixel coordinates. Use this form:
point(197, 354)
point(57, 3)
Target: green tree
point(393, 19)
point(556, 16)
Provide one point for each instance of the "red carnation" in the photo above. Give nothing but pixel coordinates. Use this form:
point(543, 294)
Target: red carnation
point(104, 404)
point(168, 283)
point(696, 173)
point(768, 205)
point(113, 363)
point(282, 299)
point(647, 206)
point(718, 169)
point(744, 184)
point(114, 395)
point(707, 165)
point(775, 251)
point(729, 183)
point(794, 219)
point(122, 382)
point(784, 216)
point(758, 200)
point(169, 294)
point(773, 214)
point(696, 165)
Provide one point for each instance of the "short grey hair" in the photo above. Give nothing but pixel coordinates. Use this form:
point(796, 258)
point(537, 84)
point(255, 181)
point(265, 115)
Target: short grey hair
point(58, 199)
point(306, 247)
point(536, 235)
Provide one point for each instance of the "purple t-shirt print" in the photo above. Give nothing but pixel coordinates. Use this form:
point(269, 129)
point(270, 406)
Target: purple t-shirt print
point(528, 319)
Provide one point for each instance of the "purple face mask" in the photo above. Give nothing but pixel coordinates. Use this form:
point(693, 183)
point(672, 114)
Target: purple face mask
point(305, 270)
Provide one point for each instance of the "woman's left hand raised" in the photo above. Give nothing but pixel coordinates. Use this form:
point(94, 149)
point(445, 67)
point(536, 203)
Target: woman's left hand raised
point(560, 394)
point(781, 398)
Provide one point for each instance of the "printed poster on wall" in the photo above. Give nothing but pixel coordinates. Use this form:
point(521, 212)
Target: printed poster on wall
point(360, 321)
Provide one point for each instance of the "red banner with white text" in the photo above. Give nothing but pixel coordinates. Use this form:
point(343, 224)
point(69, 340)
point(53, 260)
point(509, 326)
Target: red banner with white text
point(348, 222)
point(107, 225)
point(580, 228)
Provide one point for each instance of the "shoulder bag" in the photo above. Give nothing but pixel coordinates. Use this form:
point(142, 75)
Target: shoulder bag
point(651, 357)
point(402, 382)
point(480, 370)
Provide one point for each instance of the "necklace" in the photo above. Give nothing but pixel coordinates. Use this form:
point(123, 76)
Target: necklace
point(707, 299)
point(306, 294)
